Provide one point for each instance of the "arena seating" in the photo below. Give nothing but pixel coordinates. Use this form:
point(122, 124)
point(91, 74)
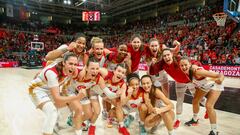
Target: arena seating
point(201, 38)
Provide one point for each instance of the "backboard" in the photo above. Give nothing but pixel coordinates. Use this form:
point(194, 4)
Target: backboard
point(232, 9)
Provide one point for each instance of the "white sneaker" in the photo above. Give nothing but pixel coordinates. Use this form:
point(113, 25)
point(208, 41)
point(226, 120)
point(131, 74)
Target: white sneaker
point(78, 132)
point(56, 129)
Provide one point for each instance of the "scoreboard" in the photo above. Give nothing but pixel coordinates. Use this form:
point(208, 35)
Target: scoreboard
point(91, 16)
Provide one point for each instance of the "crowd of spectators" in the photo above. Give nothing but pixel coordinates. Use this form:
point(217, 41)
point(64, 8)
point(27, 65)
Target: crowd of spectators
point(201, 38)
point(16, 45)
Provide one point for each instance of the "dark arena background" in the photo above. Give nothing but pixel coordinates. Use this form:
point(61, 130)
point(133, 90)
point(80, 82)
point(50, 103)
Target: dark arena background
point(208, 30)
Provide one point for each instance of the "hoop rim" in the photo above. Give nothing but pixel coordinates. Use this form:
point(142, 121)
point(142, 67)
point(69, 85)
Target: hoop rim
point(220, 14)
point(220, 18)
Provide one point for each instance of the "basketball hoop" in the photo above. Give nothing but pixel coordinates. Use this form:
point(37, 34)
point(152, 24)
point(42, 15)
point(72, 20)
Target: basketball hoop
point(220, 18)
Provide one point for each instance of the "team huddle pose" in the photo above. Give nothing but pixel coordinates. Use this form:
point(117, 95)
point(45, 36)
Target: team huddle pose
point(77, 78)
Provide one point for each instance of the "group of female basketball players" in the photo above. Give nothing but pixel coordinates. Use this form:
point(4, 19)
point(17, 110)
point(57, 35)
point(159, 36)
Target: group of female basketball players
point(76, 78)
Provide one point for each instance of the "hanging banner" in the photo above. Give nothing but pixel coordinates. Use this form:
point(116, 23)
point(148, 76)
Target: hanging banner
point(23, 14)
point(232, 71)
point(9, 11)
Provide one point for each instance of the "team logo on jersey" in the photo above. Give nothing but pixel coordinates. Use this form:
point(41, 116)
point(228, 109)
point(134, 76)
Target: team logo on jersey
point(113, 89)
point(79, 87)
point(110, 88)
point(133, 105)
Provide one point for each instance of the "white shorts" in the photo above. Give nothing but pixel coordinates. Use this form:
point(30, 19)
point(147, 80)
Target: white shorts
point(218, 87)
point(160, 79)
point(207, 85)
point(72, 92)
point(159, 104)
point(128, 110)
point(182, 87)
point(85, 101)
point(41, 95)
point(95, 91)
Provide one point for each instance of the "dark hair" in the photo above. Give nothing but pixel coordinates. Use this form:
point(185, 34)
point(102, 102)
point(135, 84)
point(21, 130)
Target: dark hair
point(166, 49)
point(152, 91)
point(141, 39)
point(180, 53)
point(122, 43)
point(159, 53)
point(59, 66)
point(175, 62)
point(92, 59)
point(190, 72)
point(123, 65)
point(136, 35)
point(132, 76)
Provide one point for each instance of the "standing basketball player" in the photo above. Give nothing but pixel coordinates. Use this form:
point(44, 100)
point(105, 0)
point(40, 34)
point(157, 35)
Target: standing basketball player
point(212, 88)
point(154, 51)
point(170, 65)
point(136, 50)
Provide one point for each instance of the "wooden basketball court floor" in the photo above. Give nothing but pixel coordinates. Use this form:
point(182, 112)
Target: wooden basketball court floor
point(18, 115)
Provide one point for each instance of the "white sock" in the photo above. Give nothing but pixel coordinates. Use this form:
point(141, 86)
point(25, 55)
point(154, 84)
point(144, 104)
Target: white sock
point(171, 132)
point(148, 129)
point(178, 117)
point(141, 122)
point(121, 124)
point(195, 116)
point(104, 110)
point(78, 132)
point(214, 127)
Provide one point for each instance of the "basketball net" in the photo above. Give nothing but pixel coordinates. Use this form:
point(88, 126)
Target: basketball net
point(220, 18)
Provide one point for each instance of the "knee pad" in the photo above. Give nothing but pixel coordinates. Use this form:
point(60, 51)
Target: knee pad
point(179, 107)
point(51, 117)
point(180, 99)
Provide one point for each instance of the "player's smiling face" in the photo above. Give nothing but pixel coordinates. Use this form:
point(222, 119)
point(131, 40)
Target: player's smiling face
point(119, 73)
point(122, 50)
point(93, 70)
point(136, 43)
point(81, 44)
point(167, 57)
point(185, 65)
point(154, 47)
point(70, 66)
point(146, 84)
point(134, 83)
point(98, 50)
